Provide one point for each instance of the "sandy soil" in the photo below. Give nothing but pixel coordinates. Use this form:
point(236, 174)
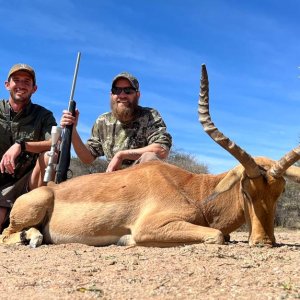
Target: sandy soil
point(232, 271)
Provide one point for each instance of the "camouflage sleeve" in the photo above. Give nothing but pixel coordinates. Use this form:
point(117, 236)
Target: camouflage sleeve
point(94, 142)
point(48, 122)
point(157, 131)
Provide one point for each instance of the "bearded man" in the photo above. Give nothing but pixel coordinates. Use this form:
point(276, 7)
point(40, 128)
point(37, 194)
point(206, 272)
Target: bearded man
point(128, 134)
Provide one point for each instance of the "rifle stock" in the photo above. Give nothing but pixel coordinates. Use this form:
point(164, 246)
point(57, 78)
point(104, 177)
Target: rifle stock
point(64, 156)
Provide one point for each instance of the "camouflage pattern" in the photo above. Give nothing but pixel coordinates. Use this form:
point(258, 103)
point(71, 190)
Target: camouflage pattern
point(133, 81)
point(109, 135)
point(33, 123)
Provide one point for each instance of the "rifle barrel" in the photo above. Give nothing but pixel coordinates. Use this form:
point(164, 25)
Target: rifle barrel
point(75, 76)
point(66, 136)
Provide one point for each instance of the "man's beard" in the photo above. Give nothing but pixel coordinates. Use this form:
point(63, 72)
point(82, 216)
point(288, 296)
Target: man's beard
point(20, 99)
point(124, 114)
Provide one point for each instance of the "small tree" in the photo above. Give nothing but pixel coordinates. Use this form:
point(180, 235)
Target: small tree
point(288, 207)
point(186, 161)
point(78, 168)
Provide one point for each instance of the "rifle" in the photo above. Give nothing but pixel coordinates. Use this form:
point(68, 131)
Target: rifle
point(64, 155)
point(55, 138)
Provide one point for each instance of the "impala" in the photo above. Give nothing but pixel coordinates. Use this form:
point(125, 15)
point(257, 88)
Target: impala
point(158, 204)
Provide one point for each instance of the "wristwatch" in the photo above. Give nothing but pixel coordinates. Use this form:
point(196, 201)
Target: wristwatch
point(22, 143)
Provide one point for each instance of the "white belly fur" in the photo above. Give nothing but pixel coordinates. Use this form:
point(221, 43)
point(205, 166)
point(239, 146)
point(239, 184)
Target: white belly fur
point(57, 238)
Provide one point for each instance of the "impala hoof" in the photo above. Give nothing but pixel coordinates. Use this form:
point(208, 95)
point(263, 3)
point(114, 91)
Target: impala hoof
point(215, 239)
point(32, 237)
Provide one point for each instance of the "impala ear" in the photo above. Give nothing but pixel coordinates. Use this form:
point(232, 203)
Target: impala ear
point(231, 178)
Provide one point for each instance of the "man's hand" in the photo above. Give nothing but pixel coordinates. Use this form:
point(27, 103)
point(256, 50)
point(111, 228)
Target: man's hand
point(134, 154)
point(116, 163)
point(7, 163)
point(68, 119)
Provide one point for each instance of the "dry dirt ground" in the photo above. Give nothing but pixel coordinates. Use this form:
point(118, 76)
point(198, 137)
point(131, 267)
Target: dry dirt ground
point(232, 271)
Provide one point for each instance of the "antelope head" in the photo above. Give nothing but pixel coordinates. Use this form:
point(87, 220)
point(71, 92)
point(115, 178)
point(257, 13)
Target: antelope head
point(261, 179)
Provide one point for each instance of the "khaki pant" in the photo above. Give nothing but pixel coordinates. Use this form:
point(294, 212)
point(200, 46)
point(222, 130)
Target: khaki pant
point(10, 193)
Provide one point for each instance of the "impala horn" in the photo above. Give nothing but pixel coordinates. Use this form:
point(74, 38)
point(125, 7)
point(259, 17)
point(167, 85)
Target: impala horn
point(280, 166)
point(251, 168)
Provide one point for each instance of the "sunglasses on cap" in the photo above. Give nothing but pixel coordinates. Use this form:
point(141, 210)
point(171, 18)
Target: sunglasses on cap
point(118, 90)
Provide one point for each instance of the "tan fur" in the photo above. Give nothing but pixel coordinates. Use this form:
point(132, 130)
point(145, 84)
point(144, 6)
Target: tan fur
point(152, 204)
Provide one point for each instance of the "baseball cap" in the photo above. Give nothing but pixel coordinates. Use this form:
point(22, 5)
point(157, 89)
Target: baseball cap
point(134, 82)
point(22, 67)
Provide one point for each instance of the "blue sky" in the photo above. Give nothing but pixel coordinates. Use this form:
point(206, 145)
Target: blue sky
point(251, 50)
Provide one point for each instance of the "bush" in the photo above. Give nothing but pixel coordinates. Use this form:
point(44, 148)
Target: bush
point(288, 207)
point(187, 162)
point(180, 159)
point(78, 168)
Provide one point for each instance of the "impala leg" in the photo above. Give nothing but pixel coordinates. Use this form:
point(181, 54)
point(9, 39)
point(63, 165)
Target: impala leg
point(28, 211)
point(14, 238)
point(31, 236)
point(175, 233)
point(126, 240)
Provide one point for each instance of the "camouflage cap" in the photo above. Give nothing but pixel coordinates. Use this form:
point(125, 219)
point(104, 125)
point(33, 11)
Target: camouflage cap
point(134, 82)
point(22, 67)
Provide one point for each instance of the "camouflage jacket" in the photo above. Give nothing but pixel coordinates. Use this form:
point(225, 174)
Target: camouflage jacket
point(110, 135)
point(33, 123)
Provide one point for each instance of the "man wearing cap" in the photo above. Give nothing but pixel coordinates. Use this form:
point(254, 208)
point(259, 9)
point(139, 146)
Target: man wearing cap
point(128, 134)
point(25, 130)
